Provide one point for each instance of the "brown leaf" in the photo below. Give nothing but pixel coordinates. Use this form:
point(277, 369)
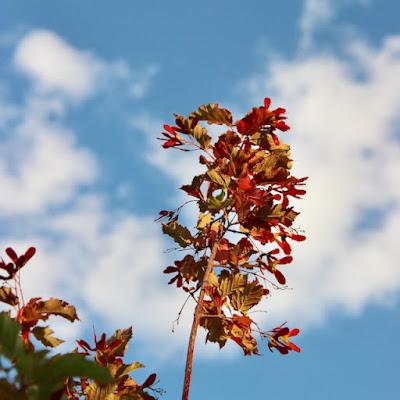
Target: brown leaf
point(179, 233)
point(7, 296)
point(44, 335)
point(213, 114)
point(230, 283)
point(246, 299)
point(125, 335)
point(201, 136)
point(57, 307)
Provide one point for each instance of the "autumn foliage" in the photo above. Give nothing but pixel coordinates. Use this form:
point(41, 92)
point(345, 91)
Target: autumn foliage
point(242, 242)
point(91, 372)
point(238, 251)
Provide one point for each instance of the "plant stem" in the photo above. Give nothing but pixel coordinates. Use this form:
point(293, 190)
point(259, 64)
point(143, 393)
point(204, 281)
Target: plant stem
point(196, 322)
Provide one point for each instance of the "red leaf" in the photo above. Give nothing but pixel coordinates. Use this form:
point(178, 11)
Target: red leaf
point(285, 260)
point(149, 381)
point(29, 253)
point(245, 183)
point(12, 254)
point(281, 125)
point(267, 102)
point(294, 332)
point(85, 345)
point(283, 331)
point(294, 347)
point(285, 202)
point(172, 280)
point(169, 270)
point(114, 344)
point(279, 277)
point(279, 112)
point(275, 139)
point(170, 143)
point(285, 246)
point(169, 129)
point(298, 238)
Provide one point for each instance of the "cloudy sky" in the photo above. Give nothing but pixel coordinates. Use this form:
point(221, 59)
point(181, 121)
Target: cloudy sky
point(84, 90)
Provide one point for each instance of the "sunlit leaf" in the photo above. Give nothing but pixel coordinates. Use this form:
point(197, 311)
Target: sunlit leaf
point(7, 296)
point(213, 114)
point(44, 335)
point(179, 233)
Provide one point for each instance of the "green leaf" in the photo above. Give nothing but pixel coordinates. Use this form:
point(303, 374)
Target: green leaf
point(179, 233)
point(44, 335)
point(9, 391)
point(213, 114)
point(73, 364)
point(215, 204)
point(39, 375)
point(10, 343)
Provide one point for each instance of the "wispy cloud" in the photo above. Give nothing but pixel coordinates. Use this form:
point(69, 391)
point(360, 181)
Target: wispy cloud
point(105, 260)
point(319, 14)
point(343, 113)
point(55, 66)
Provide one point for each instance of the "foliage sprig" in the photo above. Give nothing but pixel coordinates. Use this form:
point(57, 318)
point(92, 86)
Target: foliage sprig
point(245, 224)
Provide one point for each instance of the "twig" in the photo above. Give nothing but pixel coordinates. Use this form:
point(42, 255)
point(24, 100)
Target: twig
point(196, 322)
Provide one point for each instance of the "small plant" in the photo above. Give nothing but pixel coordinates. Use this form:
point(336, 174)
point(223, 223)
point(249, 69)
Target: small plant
point(30, 374)
point(244, 224)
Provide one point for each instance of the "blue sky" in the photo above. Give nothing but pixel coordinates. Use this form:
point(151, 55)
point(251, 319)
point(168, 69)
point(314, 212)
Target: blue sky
point(84, 90)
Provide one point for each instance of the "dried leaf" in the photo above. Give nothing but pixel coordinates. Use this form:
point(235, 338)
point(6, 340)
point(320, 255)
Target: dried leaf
point(201, 136)
point(204, 220)
point(7, 296)
point(179, 233)
point(219, 178)
point(230, 283)
point(244, 300)
point(44, 335)
point(125, 369)
point(213, 114)
point(57, 307)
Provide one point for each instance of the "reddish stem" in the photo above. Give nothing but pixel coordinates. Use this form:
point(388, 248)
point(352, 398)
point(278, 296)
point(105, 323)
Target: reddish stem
point(196, 322)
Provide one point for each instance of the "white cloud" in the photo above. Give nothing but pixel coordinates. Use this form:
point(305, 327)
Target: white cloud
point(40, 164)
point(107, 262)
point(177, 163)
point(56, 66)
point(141, 86)
point(343, 113)
point(319, 14)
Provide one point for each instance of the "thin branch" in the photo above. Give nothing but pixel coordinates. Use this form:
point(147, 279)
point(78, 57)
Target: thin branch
point(176, 321)
point(196, 322)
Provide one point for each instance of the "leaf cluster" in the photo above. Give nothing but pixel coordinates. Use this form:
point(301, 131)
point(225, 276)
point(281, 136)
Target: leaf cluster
point(28, 373)
point(245, 221)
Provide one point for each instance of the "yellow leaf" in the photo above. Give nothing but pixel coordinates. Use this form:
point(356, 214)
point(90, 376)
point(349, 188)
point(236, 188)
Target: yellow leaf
point(204, 220)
